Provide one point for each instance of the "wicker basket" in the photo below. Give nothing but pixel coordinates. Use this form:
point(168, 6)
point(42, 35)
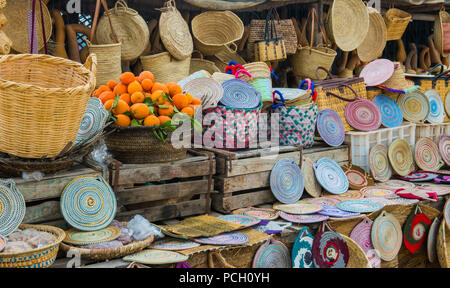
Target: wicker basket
point(138, 145)
point(358, 258)
point(44, 99)
point(396, 23)
point(198, 64)
point(224, 56)
point(36, 258)
point(166, 68)
point(109, 63)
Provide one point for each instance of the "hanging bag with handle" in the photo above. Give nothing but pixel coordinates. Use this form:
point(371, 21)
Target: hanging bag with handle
point(271, 48)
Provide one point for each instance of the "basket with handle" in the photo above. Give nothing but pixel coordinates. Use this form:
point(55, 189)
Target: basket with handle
point(440, 84)
point(261, 84)
point(198, 64)
point(165, 67)
point(396, 22)
point(44, 99)
point(271, 47)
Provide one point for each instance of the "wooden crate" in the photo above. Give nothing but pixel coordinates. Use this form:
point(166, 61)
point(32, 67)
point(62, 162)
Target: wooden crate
point(339, 154)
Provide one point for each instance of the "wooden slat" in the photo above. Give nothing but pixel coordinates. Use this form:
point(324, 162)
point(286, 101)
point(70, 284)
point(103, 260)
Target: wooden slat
point(339, 154)
point(228, 204)
point(46, 211)
point(242, 182)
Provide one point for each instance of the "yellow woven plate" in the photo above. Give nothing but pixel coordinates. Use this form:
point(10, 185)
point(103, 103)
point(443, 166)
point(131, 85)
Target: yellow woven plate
point(400, 157)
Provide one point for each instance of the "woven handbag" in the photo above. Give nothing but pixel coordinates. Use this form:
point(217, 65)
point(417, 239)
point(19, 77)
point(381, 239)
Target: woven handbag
point(396, 23)
point(271, 48)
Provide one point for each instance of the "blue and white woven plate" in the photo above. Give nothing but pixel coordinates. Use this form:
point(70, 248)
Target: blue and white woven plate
point(88, 203)
point(12, 207)
point(365, 205)
point(240, 95)
point(330, 127)
point(93, 121)
point(391, 114)
point(336, 212)
point(286, 181)
point(331, 176)
point(302, 250)
point(437, 112)
point(244, 220)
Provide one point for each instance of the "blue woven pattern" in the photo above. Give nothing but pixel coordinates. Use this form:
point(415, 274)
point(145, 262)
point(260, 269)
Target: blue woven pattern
point(93, 121)
point(12, 207)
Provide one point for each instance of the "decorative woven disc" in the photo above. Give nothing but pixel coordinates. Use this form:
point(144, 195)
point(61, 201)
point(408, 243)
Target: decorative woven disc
point(382, 201)
point(93, 121)
point(431, 240)
point(331, 176)
point(312, 187)
point(233, 238)
point(437, 112)
point(329, 201)
point(440, 190)
point(404, 201)
point(336, 212)
point(286, 181)
point(76, 237)
point(88, 203)
point(298, 208)
point(12, 207)
point(365, 205)
point(272, 254)
point(419, 177)
point(349, 195)
point(260, 213)
point(415, 231)
point(391, 114)
point(171, 244)
point(394, 184)
point(208, 90)
point(378, 192)
point(426, 154)
point(302, 250)
point(153, 256)
point(377, 72)
point(415, 106)
point(363, 115)
point(386, 236)
point(244, 220)
point(330, 250)
point(357, 177)
point(444, 149)
point(361, 235)
point(239, 94)
point(330, 127)
point(447, 103)
point(446, 213)
point(400, 157)
point(379, 163)
point(303, 219)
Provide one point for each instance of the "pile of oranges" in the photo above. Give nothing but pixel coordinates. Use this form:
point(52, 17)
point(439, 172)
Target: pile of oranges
point(140, 101)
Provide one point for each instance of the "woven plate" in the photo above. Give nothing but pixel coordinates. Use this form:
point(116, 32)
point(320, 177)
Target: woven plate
point(303, 219)
point(239, 94)
point(400, 157)
point(431, 240)
point(440, 190)
point(349, 195)
point(447, 103)
point(298, 208)
point(446, 212)
point(12, 207)
point(272, 254)
point(386, 236)
point(361, 235)
point(329, 201)
point(377, 72)
point(437, 112)
point(415, 230)
point(153, 256)
point(391, 114)
point(404, 201)
point(365, 205)
point(330, 127)
point(302, 250)
point(260, 213)
point(173, 244)
point(88, 203)
point(379, 163)
point(363, 115)
point(397, 184)
point(419, 177)
point(233, 238)
point(286, 181)
point(208, 90)
point(336, 212)
point(312, 187)
point(378, 192)
point(93, 121)
point(331, 176)
point(357, 177)
point(444, 149)
point(330, 250)
point(76, 237)
point(426, 154)
point(244, 220)
point(415, 106)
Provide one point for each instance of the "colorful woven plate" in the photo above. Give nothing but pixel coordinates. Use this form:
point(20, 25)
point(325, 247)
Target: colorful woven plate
point(397, 184)
point(173, 244)
point(415, 230)
point(312, 187)
point(357, 177)
point(272, 227)
point(377, 72)
point(349, 195)
point(233, 238)
point(431, 240)
point(208, 90)
point(415, 106)
point(365, 205)
point(88, 203)
point(239, 94)
point(400, 157)
point(336, 212)
point(260, 213)
point(302, 250)
point(404, 201)
point(426, 154)
point(361, 235)
point(386, 236)
point(298, 208)
point(286, 181)
point(330, 127)
point(378, 192)
point(331, 176)
point(77, 237)
point(93, 121)
point(379, 163)
point(363, 115)
point(12, 207)
point(330, 250)
point(444, 148)
point(272, 254)
point(382, 201)
point(247, 221)
point(153, 256)
point(419, 177)
point(440, 190)
point(391, 114)
point(303, 219)
point(447, 103)
point(446, 213)
point(437, 112)
point(323, 201)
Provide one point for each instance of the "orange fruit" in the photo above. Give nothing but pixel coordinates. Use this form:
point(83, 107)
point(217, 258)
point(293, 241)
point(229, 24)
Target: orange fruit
point(121, 107)
point(180, 101)
point(127, 77)
point(100, 90)
point(146, 75)
point(120, 89)
point(159, 86)
point(134, 87)
point(189, 97)
point(174, 88)
point(105, 96)
point(151, 120)
point(126, 97)
point(139, 111)
point(137, 97)
point(166, 111)
point(111, 84)
point(188, 110)
point(164, 119)
point(123, 120)
point(196, 101)
point(108, 104)
point(147, 84)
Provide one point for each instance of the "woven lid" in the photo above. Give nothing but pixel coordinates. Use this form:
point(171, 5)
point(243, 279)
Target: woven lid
point(244, 220)
point(303, 219)
point(375, 41)
point(286, 181)
point(400, 157)
point(239, 94)
point(272, 254)
point(442, 17)
point(361, 235)
point(233, 238)
point(379, 163)
point(93, 121)
point(302, 250)
point(331, 176)
point(260, 213)
point(444, 149)
point(386, 236)
point(437, 112)
point(336, 212)
point(426, 154)
point(174, 32)
point(363, 115)
point(415, 230)
point(365, 205)
point(208, 90)
point(12, 207)
point(312, 187)
point(391, 114)
point(171, 244)
point(377, 72)
point(76, 237)
point(357, 177)
point(330, 127)
point(153, 256)
point(298, 208)
point(330, 250)
point(431, 240)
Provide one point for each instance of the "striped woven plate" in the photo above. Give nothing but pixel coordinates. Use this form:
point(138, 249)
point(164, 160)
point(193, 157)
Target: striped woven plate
point(12, 207)
point(426, 154)
point(400, 157)
point(415, 106)
point(76, 237)
point(386, 236)
point(437, 112)
point(379, 163)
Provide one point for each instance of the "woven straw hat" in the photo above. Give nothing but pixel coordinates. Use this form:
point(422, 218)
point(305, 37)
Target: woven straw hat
point(442, 17)
point(373, 45)
point(398, 80)
point(348, 23)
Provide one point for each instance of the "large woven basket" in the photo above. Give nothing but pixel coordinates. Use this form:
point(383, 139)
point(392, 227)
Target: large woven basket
point(198, 64)
point(396, 23)
point(109, 62)
point(442, 245)
point(138, 145)
point(166, 68)
point(36, 258)
point(43, 100)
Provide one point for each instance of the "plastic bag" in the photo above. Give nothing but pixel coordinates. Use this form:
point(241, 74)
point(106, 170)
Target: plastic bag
point(17, 247)
point(140, 228)
point(100, 153)
point(35, 175)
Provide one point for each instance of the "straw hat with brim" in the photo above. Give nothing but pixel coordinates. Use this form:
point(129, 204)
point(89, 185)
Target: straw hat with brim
point(442, 17)
point(398, 80)
point(375, 42)
point(348, 23)
point(17, 27)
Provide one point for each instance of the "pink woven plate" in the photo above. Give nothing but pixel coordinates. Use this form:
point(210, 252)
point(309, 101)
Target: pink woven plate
point(361, 235)
point(363, 115)
point(377, 72)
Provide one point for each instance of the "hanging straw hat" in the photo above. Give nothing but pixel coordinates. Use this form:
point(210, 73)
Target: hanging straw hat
point(398, 80)
point(348, 23)
point(441, 18)
point(373, 45)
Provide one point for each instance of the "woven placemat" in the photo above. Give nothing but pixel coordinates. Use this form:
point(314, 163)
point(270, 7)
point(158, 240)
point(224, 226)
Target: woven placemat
point(202, 226)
